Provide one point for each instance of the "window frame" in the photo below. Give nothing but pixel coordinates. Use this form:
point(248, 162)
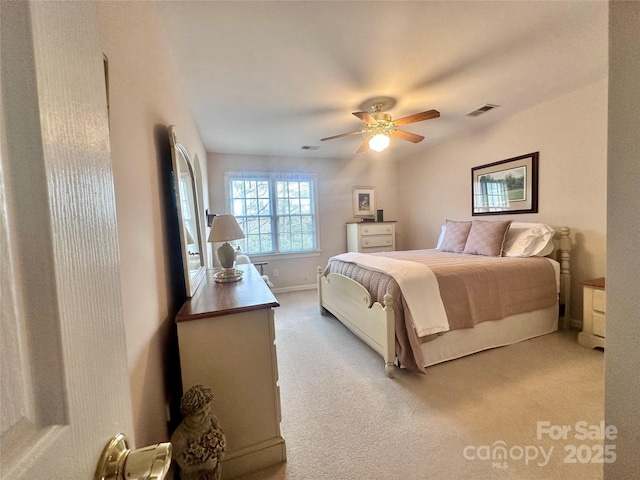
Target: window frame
point(273, 178)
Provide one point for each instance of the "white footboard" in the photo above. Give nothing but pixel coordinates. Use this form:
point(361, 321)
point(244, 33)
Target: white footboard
point(349, 302)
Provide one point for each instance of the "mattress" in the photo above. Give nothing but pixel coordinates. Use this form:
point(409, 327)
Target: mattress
point(474, 289)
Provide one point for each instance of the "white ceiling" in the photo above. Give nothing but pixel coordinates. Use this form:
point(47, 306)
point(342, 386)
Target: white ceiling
point(268, 77)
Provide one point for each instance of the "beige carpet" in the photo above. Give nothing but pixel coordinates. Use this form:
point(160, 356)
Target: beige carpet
point(343, 419)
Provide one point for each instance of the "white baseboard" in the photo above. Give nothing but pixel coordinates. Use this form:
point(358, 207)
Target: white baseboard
point(254, 457)
point(295, 288)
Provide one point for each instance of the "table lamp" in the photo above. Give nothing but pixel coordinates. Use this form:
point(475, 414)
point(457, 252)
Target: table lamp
point(223, 229)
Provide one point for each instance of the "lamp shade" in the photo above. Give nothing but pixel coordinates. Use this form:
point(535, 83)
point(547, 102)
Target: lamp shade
point(225, 228)
point(190, 240)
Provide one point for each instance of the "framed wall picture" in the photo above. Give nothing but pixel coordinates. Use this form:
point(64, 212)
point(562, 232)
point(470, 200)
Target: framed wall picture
point(364, 202)
point(505, 187)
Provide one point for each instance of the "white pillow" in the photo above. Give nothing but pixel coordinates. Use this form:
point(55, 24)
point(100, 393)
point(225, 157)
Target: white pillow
point(528, 240)
point(441, 237)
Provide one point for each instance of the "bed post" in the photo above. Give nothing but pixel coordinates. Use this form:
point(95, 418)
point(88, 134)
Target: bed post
point(565, 276)
point(390, 350)
point(319, 281)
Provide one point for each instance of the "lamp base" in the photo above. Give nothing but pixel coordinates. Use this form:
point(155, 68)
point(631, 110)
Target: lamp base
point(226, 255)
point(228, 275)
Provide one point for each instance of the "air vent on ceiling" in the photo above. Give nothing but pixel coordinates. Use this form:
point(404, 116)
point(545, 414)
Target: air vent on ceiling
point(481, 110)
point(309, 147)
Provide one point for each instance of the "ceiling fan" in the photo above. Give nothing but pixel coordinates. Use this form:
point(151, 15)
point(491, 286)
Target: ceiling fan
point(379, 126)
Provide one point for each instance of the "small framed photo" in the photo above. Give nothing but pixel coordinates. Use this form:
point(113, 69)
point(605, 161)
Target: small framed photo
point(364, 202)
point(505, 187)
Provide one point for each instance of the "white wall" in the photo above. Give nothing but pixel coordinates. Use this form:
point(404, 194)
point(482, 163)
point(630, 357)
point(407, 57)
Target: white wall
point(145, 97)
point(570, 133)
point(336, 178)
point(622, 353)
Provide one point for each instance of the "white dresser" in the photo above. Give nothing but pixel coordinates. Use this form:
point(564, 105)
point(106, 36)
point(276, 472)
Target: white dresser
point(226, 339)
point(594, 314)
point(370, 237)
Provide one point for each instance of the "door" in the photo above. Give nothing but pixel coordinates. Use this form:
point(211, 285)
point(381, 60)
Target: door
point(64, 391)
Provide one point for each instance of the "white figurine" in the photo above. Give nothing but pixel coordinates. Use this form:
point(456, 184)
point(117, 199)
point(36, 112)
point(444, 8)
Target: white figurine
point(198, 442)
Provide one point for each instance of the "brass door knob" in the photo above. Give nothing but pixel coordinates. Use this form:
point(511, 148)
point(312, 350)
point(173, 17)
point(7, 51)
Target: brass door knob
point(119, 462)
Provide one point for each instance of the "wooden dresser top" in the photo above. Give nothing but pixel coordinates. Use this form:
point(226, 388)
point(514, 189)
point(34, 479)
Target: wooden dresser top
point(595, 282)
point(369, 223)
point(215, 299)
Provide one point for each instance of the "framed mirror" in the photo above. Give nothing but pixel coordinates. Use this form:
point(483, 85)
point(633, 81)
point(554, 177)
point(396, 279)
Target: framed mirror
point(189, 215)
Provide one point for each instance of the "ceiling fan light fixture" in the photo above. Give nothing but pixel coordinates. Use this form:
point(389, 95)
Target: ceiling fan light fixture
point(378, 127)
point(379, 142)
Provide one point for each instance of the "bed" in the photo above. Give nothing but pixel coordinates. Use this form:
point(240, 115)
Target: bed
point(402, 319)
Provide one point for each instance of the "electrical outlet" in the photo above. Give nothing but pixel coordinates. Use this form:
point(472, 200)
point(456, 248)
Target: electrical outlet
point(276, 273)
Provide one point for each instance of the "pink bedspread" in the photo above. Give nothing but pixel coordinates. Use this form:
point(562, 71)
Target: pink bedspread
point(473, 289)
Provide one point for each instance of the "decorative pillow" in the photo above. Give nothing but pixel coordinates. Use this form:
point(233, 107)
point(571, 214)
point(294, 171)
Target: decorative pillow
point(455, 236)
point(486, 238)
point(528, 240)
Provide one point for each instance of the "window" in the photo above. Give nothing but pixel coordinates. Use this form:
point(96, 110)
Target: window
point(276, 211)
point(185, 180)
point(493, 194)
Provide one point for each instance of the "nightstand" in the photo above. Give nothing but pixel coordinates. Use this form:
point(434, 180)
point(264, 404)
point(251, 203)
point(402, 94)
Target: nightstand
point(371, 237)
point(594, 314)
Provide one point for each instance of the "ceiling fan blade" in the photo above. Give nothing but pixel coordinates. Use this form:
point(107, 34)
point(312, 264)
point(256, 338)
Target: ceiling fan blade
point(418, 117)
point(412, 137)
point(366, 117)
point(365, 146)
point(339, 136)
